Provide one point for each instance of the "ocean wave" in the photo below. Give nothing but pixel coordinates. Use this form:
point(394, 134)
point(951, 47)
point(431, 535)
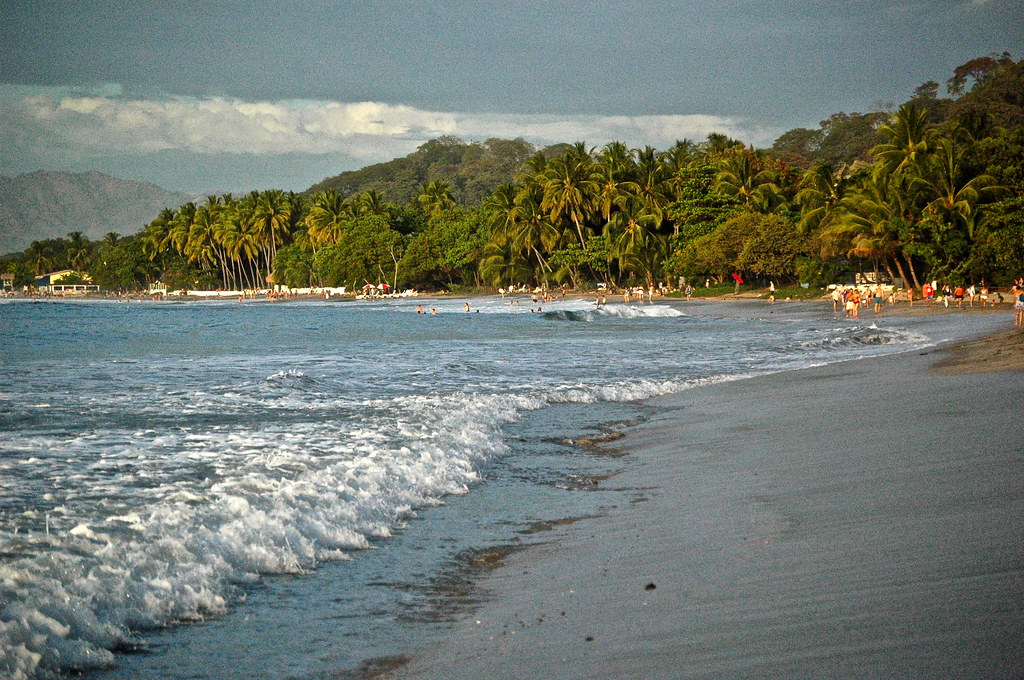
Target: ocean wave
point(614, 311)
point(224, 509)
point(861, 337)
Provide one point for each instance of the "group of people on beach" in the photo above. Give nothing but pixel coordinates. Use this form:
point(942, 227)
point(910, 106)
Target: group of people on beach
point(849, 299)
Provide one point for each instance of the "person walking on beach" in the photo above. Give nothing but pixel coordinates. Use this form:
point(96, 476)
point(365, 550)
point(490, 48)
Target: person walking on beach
point(837, 298)
point(852, 303)
point(878, 299)
point(1018, 307)
point(958, 295)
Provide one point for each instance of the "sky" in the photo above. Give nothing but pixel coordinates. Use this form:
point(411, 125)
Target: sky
point(258, 94)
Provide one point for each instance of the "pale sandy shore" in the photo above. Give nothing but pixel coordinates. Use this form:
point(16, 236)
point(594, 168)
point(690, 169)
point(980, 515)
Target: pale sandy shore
point(859, 520)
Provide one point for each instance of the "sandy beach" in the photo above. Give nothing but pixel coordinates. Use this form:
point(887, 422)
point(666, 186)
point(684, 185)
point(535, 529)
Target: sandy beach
point(858, 520)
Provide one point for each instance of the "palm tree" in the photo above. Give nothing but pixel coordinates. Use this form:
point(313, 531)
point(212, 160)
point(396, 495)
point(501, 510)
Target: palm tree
point(612, 185)
point(435, 197)
point(371, 202)
point(679, 156)
point(325, 222)
point(821, 191)
point(79, 251)
point(200, 247)
point(910, 141)
point(40, 254)
point(616, 160)
point(178, 230)
point(569, 192)
point(959, 202)
point(631, 226)
point(271, 219)
point(531, 229)
point(503, 264)
point(874, 223)
point(742, 176)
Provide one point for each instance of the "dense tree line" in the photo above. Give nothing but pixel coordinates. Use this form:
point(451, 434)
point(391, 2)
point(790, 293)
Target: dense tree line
point(934, 189)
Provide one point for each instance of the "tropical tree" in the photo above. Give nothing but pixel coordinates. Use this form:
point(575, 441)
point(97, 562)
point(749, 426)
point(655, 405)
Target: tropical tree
point(821, 191)
point(909, 140)
point(569, 191)
point(271, 217)
point(741, 175)
point(325, 221)
point(435, 196)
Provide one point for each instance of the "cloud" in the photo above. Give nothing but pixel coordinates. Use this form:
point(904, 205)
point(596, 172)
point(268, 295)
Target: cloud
point(48, 122)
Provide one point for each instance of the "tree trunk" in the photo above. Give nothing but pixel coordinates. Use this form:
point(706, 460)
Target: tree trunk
point(913, 274)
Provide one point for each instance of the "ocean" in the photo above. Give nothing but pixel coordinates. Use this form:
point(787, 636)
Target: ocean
point(290, 489)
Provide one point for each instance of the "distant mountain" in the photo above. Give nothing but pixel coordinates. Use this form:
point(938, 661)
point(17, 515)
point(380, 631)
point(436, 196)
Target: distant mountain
point(472, 169)
point(40, 205)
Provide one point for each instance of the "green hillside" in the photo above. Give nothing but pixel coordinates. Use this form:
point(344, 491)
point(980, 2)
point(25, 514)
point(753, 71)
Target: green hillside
point(473, 170)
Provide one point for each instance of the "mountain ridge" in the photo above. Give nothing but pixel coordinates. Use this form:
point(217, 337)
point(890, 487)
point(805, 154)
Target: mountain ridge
point(45, 204)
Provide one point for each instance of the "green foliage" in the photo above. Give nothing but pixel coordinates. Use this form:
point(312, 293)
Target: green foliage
point(844, 138)
point(765, 245)
point(930, 191)
point(122, 264)
point(368, 252)
point(472, 170)
point(293, 267)
point(698, 209)
point(448, 250)
point(771, 246)
point(178, 274)
point(817, 273)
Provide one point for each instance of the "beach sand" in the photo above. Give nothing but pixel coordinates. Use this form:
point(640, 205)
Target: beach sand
point(858, 520)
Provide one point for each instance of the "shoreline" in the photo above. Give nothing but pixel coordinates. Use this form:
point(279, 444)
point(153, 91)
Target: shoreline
point(796, 525)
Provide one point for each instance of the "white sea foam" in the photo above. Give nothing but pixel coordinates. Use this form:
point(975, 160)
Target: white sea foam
point(638, 311)
point(143, 519)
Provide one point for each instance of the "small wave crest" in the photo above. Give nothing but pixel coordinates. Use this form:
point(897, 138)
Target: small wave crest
point(614, 311)
point(862, 336)
point(290, 378)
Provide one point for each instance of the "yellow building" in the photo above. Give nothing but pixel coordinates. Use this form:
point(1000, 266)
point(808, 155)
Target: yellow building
point(51, 283)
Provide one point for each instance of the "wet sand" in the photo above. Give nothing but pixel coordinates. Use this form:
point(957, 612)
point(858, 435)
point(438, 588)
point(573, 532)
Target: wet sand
point(859, 520)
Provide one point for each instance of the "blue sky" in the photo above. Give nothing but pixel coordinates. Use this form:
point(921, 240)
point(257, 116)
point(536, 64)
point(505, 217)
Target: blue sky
point(233, 96)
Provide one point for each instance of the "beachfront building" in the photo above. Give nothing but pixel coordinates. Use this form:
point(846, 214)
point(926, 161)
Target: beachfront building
point(6, 282)
point(65, 281)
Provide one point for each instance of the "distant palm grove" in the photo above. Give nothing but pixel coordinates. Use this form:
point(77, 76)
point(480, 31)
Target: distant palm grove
point(931, 189)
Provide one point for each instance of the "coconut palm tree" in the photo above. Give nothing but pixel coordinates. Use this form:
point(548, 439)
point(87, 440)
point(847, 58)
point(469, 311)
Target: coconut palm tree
point(178, 230)
point(821, 190)
point(325, 222)
point(874, 223)
point(613, 184)
point(40, 254)
point(958, 200)
point(532, 230)
point(371, 202)
point(742, 176)
point(910, 141)
point(79, 251)
point(570, 191)
point(630, 227)
point(503, 264)
point(271, 218)
point(435, 197)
